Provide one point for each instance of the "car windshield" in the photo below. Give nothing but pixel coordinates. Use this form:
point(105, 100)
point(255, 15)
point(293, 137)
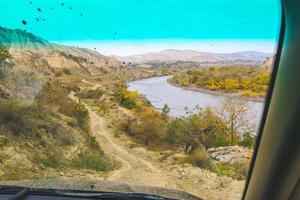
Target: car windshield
point(164, 94)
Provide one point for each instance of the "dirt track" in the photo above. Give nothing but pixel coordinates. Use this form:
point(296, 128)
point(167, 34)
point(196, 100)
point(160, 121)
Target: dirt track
point(136, 168)
point(132, 169)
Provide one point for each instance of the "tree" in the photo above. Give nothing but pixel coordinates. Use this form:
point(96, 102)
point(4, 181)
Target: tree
point(165, 112)
point(236, 117)
point(197, 130)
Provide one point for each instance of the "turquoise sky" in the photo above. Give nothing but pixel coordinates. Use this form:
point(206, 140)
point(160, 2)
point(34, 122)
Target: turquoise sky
point(104, 20)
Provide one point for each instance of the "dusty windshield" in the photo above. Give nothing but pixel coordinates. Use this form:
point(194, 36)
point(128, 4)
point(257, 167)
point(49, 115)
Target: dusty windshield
point(152, 93)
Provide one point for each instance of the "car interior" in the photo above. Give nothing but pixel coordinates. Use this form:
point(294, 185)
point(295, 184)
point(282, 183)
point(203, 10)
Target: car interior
point(274, 172)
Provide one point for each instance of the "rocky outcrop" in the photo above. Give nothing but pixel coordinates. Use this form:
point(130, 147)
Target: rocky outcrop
point(230, 154)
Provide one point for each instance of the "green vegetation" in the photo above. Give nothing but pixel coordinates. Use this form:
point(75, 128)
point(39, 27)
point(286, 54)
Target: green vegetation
point(230, 124)
point(124, 97)
point(93, 160)
point(46, 130)
point(248, 81)
point(236, 170)
point(4, 57)
point(224, 126)
point(147, 128)
point(81, 113)
point(165, 112)
point(198, 158)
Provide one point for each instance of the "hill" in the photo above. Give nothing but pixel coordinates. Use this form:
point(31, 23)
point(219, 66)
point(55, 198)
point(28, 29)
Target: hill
point(173, 56)
point(31, 52)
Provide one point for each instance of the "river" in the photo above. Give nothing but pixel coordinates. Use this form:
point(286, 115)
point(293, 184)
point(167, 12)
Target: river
point(159, 92)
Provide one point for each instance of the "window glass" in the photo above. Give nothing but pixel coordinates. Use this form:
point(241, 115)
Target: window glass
point(162, 94)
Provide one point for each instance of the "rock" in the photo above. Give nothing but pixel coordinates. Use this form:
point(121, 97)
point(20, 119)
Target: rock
point(230, 154)
point(61, 174)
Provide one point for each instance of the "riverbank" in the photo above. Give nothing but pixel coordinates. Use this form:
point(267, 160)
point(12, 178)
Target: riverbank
point(217, 93)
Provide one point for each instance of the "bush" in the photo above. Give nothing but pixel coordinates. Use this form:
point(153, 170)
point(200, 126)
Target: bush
point(222, 142)
point(241, 169)
point(21, 119)
point(81, 113)
point(3, 142)
point(199, 158)
point(237, 170)
point(147, 128)
point(54, 95)
point(226, 170)
point(51, 158)
point(91, 160)
point(66, 71)
point(66, 139)
point(92, 142)
point(126, 98)
point(248, 140)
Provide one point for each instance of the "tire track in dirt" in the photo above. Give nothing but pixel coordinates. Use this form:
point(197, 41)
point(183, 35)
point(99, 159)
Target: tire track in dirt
point(132, 169)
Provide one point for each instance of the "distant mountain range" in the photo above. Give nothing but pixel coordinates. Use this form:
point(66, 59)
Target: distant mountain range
point(61, 56)
point(171, 56)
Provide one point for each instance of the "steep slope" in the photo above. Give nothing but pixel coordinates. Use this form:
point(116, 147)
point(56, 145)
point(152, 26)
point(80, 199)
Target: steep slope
point(42, 131)
point(34, 60)
point(30, 52)
point(21, 39)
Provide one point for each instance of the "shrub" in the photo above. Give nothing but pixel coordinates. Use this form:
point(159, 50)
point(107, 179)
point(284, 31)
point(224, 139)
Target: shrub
point(226, 170)
point(3, 142)
point(66, 71)
point(222, 142)
point(247, 141)
point(51, 158)
point(199, 158)
point(55, 95)
point(92, 142)
point(81, 113)
point(147, 128)
point(126, 98)
point(91, 160)
point(66, 139)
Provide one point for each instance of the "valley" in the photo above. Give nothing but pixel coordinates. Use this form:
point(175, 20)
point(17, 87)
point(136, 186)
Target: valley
point(68, 112)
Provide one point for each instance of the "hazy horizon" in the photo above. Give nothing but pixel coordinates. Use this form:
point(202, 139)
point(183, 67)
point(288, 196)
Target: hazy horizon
point(137, 47)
